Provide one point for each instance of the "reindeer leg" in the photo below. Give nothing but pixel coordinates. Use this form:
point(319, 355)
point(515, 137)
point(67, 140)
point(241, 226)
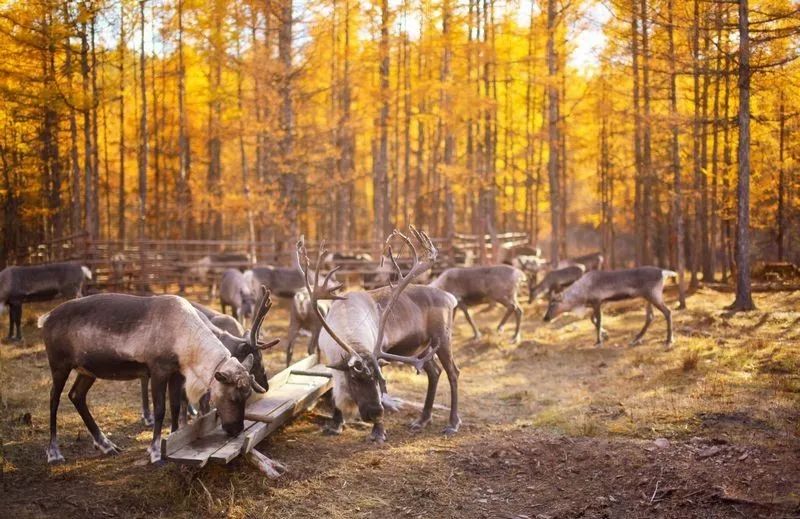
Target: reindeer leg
point(336, 426)
point(463, 307)
point(175, 401)
point(59, 380)
point(433, 371)
point(18, 321)
point(147, 416)
point(647, 320)
point(518, 316)
point(83, 383)
point(668, 316)
point(10, 336)
point(158, 386)
point(449, 365)
point(290, 338)
point(597, 320)
point(509, 311)
point(313, 342)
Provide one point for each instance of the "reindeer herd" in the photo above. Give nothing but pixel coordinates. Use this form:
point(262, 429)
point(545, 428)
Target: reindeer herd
point(199, 357)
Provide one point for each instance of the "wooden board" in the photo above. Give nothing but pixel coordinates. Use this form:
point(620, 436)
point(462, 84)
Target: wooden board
point(291, 392)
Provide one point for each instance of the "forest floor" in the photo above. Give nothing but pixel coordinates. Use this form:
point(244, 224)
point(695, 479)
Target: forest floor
point(553, 427)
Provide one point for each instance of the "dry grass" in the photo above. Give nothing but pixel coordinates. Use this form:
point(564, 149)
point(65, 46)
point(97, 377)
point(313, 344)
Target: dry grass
point(550, 426)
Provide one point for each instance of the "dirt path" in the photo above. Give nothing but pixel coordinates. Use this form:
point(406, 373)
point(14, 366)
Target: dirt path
point(552, 428)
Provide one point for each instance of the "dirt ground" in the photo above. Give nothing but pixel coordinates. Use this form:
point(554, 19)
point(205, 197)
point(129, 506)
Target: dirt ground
point(552, 427)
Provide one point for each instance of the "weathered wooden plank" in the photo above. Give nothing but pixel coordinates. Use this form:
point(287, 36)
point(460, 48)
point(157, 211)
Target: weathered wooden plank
point(291, 391)
point(186, 435)
point(279, 378)
point(256, 434)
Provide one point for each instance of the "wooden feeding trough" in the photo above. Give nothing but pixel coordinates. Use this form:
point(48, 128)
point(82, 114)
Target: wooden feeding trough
point(291, 392)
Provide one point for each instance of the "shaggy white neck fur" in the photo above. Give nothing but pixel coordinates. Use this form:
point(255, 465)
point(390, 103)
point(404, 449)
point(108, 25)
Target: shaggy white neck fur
point(200, 357)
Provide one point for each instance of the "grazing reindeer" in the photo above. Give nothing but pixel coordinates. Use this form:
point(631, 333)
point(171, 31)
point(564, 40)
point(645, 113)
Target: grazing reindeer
point(303, 317)
point(597, 287)
point(221, 321)
point(476, 285)
point(556, 281)
point(239, 344)
point(284, 282)
point(593, 261)
point(399, 323)
point(124, 337)
point(38, 283)
point(236, 291)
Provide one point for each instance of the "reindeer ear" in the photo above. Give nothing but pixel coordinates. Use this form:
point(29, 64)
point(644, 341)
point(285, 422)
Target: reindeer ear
point(248, 362)
point(223, 377)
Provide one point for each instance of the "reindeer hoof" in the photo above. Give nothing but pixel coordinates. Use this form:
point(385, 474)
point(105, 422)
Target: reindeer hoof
point(450, 430)
point(107, 447)
point(155, 454)
point(598, 344)
point(332, 430)
point(54, 456)
point(378, 435)
point(147, 421)
point(419, 424)
point(635, 342)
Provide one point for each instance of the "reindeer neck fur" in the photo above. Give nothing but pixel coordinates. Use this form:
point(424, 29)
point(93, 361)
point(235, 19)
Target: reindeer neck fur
point(201, 354)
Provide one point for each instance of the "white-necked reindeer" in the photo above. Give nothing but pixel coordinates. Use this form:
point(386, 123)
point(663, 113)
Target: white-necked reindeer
point(124, 337)
point(401, 323)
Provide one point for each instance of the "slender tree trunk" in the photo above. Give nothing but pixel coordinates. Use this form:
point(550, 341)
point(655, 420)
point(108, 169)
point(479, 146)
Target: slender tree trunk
point(637, 135)
point(184, 152)
point(143, 132)
point(553, 134)
point(121, 220)
point(744, 298)
point(88, 154)
point(781, 217)
point(677, 200)
point(647, 163)
point(290, 187)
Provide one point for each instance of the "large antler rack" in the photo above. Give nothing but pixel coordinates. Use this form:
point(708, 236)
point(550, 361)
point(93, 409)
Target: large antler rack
point(418, 266)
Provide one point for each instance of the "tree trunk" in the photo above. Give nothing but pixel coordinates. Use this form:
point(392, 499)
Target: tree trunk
point(677, 200)
point(744, 298)
point(553, 134)
point(143, 133)
point(121, 220)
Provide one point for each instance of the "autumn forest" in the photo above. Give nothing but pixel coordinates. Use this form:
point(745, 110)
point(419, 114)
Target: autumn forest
point(633, 127)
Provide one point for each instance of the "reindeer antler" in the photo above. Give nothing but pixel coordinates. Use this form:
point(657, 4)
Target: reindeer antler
point(323, 292)
point(429, 253)
point(262, 309)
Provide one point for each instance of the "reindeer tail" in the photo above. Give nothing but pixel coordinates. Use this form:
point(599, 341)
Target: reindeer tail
point(42, 319)
point(86, 272)
point(669, 274)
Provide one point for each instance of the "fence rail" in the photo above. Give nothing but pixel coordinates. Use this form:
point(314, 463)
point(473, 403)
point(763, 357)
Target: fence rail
point(147, 265)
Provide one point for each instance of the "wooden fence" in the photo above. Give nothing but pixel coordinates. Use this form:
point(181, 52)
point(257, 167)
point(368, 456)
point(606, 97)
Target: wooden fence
point(170, 265)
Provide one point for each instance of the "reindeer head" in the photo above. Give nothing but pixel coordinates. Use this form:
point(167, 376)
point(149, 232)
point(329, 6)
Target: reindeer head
point(232, 386)
point(241, 347)
point(362, 369)
point(555, 307)
point(248, 304)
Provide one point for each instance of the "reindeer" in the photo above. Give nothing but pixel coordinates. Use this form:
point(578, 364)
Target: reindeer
point(221, 321)
point(399, 323)
point(240, 344)
point(476, 285)
point(303, 317)
point(124, 337)
point(209, 267)
point(598, 286)
point(593, 261)
point(556, 281)
point(236, 291)
point(38, 283)
point(284, 282)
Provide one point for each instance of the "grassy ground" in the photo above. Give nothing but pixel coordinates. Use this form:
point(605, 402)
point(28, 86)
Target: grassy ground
point(553, 427)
